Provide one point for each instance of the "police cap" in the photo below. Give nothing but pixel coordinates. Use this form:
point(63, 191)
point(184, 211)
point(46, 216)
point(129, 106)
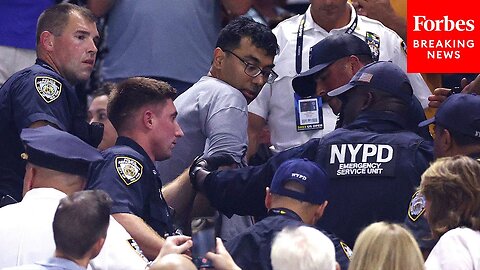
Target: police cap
point(54, 149)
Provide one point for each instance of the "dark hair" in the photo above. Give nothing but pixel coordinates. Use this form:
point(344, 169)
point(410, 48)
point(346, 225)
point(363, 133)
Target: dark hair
point(80, 220)
point(452, 185)
point(104, 90)
point(134, 93)
point(55, 18)
point(260, 35)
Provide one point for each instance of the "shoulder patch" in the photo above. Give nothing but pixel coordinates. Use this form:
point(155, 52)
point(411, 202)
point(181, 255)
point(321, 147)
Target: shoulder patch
point(129, 169)
point(347, 250)
point(48, 88)
point(137, 249)
point(416, 207)
point(373, 41)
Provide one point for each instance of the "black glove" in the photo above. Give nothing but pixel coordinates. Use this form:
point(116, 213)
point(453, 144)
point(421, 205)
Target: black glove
point(201, 167)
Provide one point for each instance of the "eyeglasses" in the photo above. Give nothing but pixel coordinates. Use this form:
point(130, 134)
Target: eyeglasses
point(253, 71)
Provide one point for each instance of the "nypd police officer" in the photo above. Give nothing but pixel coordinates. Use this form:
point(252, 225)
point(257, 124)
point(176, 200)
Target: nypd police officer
point(44, 93)
point(374, 161)
point(143, 113)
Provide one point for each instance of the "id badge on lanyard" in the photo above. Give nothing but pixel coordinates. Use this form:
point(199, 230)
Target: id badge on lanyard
point(308, 113)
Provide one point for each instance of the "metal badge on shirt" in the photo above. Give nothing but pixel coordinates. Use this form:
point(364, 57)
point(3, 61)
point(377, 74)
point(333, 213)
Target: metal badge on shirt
point(129, 169)
point(373, 41)
point(48, 88)
point(308, 113)
point(416, 207)
point(349, 160)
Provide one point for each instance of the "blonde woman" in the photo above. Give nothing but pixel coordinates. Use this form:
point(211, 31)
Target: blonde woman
point(451, 187)
point(386, 246)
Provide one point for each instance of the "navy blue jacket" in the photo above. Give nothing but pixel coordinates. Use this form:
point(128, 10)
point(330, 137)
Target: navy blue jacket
point(375, 165)
point(251, 249)
point(37, 93)
point(129, 176)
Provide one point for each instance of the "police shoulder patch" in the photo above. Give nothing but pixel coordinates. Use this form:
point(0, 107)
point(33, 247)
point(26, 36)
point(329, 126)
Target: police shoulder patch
point(129, 169)
point(137, 249)
point(373, 41)
point(346, 249)
point(404, 47)
point(416, 207)
point(48, 88)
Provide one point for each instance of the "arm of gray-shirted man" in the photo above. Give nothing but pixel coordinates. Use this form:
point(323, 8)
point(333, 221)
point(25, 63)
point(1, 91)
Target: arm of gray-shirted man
point(148, 240)
point(256, 124)
point(382, 10)
point(100, 7)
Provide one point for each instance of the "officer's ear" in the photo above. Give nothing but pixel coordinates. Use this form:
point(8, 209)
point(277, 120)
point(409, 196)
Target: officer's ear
point(446, 141)
point(29, 179)
point(319, 211)
point(47, 41)
point(218, 57)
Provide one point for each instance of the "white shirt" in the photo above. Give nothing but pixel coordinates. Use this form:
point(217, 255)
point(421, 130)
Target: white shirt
point(275, 103)
point(27, 236)
point(457, 249)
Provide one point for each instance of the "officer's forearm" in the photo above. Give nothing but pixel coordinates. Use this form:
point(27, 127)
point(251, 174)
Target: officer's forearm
point(148, 240)
point(180, 194)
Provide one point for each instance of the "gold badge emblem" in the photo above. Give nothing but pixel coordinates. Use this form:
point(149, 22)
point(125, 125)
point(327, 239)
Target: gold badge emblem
point(48, 88)
point(129, 169)
point(346, 249)
point(417, 206)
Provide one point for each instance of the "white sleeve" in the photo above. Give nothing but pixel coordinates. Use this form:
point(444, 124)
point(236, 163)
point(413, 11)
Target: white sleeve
point(451, 252)
point(260, 104)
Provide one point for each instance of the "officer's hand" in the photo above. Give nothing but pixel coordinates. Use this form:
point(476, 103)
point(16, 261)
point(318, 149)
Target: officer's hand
point(438, 97)
point(201, 167)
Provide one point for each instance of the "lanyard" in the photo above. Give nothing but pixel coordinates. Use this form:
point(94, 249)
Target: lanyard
point(284, 212)
point(299, 46)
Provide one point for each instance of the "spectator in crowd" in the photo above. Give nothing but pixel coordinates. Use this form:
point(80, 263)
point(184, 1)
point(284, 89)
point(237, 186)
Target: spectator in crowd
point(213, 112)
point(97, 112)
point(451, 186)
point(297, 196)
point(43, 94)
point(80, 227)
point(303, 248)
point(457, 129)
point(374, 161)
point(143, 113)
point(57, 166)
point(177, 36)
point(384, 245)
point(276, 103)
point(268, 12)
point(17, 47)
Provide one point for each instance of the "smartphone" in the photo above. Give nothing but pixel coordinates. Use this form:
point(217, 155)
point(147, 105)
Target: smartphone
point(203, 237)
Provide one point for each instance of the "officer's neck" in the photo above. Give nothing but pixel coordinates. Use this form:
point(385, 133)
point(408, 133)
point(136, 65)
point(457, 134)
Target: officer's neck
point(329, 20)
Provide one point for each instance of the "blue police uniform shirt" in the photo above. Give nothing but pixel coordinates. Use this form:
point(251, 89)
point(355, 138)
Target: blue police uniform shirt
point(375, 165)
point(251, 249)
point(37, 93)
point(129, 176)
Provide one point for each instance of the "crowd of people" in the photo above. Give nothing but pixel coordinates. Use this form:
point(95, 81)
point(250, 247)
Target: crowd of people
point(352, 173)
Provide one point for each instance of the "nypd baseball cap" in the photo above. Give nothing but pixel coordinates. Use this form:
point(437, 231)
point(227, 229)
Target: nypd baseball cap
point(380, 76)
point(324, 53)
point(57, 150)
point(459, 113)
point(306, 173)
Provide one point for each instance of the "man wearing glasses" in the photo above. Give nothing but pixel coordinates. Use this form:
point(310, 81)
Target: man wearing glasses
point(213, 113)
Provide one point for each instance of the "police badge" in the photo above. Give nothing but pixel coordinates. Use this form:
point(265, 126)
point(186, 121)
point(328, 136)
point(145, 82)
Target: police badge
point(48, 88)
point(128, 169)
point(373, 41)
point(417, 206)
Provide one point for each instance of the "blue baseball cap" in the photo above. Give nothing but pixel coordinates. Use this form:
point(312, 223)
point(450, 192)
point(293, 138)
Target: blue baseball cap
point(57, 150)
point(459, 113)
point(305, 172)
point(323, 54)
point(380, 76)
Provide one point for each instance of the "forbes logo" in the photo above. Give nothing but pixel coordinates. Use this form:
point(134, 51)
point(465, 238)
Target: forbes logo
point(424, 24)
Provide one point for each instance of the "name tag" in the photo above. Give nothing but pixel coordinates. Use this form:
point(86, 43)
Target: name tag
point(308, 113)
point(348, 160)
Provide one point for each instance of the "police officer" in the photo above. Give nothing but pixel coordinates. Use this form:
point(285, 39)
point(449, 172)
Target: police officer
point(374, 162)
point(297, 196)
point(44, 93)
point(57, 166)
point(143, 113)
point(457, 132)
